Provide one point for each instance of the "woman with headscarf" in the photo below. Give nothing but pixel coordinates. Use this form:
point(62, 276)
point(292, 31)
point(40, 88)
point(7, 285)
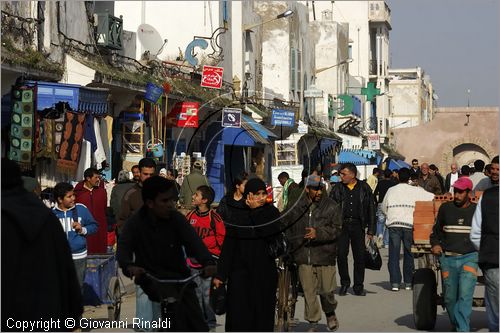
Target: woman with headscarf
point(234, 199)
point(246, 265)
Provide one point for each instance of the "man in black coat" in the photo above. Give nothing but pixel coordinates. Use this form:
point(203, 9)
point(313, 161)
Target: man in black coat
point(39, 280)
point(358, 213)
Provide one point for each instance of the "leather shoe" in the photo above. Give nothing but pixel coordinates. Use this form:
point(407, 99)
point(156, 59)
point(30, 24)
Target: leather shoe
point(360, 293)
point(343, 290)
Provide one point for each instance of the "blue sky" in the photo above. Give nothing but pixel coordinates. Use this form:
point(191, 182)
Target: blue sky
point(456, 42)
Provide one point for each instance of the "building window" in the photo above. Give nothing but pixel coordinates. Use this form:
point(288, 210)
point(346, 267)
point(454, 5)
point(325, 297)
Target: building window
point(295, 69)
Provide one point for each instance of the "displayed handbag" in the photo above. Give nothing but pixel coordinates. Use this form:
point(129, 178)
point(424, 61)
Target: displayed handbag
point(278, 245)
point(155, 148)
point(218, 299)
point(373, 260)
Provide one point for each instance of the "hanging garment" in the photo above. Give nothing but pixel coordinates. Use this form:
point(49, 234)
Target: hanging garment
point(85, 159)
point(22, 128)
point(69, 151)
point(106, 142)
point(90, 132)
point(99, 155)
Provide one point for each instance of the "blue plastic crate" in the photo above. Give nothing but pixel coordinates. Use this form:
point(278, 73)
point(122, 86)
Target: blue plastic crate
point(100, 270)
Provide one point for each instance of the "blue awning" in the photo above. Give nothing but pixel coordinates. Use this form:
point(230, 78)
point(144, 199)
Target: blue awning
point(404, 164)
point(346, 156)
point(396, 164)
point(327, 145)
point(250, 134)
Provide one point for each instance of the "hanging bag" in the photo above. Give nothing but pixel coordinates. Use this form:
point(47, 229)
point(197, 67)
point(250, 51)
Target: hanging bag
point(155, 148)
point(373, 260)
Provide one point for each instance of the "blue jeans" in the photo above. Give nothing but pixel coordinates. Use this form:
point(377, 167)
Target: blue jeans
point(459, 275)
point(491, 297)
point(145, 309)
point(203, 294)
point(381, 229)
point(396, 236)
point(80, 267)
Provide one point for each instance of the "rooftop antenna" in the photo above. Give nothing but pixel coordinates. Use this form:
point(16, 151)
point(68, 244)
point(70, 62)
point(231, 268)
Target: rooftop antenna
point(150, 40)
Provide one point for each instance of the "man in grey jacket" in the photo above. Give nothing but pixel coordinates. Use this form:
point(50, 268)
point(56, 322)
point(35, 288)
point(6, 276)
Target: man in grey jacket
point(190, 183)
point(315, 222)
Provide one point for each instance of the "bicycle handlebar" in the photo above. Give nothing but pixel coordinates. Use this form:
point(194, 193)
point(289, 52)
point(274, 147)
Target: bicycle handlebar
point(172, 281)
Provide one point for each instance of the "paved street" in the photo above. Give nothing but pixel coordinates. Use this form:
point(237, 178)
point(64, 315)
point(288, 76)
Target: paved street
point(380, 310)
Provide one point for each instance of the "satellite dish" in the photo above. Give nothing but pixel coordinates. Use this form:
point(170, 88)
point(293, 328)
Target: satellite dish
point(150, 39)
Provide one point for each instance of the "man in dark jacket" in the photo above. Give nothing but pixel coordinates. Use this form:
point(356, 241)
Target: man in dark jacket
point(39, 282)
point(484, 237)
point(358, 213)
point(153, 240)
point(316, 222)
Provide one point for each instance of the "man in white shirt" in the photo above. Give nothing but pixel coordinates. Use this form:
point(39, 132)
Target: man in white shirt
point(451, 178)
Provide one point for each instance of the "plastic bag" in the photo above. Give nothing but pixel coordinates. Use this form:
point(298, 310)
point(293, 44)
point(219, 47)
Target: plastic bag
point(373, 260)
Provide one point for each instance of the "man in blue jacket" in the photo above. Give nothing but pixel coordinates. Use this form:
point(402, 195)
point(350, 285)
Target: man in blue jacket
point(77, 223)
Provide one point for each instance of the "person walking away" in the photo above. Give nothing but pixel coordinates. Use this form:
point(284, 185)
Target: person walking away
point(246, 265)
point(358, 214)
point(77, 222)
point(478, 174)
point(385, 184)
point(492, 179)
point(39, 282)
point(398, 206)
point(123, 184)
point(191, 183)
point(288, 185)
point(153, 240)
point(91, 193)
point(372, 180)
point(484, 237)
point(450, 240)
point(451, 178)
point(427, 181)
point(316, 223)
point(210, 227)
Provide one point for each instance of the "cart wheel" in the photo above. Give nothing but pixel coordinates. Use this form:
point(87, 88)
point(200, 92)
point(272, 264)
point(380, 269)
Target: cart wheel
point(424, 298)
point(115, 297)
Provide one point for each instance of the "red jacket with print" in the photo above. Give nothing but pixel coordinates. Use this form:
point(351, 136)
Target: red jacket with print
point(210, 227)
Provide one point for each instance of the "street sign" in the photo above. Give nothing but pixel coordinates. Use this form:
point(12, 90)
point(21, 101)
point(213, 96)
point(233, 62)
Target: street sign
point(313, 93)
point(374, 141)
point(231, 117)
point(283, 118)
point(212, 77)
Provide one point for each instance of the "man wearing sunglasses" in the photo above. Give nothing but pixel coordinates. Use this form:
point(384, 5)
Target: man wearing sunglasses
point(457, 255)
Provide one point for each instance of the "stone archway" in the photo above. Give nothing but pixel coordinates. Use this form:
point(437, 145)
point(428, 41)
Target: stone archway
point(464, 151)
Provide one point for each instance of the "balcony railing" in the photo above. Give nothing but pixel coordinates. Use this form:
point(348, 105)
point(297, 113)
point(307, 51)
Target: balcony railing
point(109, 31)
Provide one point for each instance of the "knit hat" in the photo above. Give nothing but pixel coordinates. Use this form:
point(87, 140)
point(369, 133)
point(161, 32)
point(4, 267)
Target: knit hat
point(163, 171)
point(314, 181)
point(463, 183)
point(254, 185)
point(198, 164)
point(122, 176)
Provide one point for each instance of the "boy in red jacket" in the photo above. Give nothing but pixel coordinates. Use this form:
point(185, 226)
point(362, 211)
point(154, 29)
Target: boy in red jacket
point(209, 226)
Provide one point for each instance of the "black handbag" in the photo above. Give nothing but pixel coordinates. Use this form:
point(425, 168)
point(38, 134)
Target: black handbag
point(373, 260)
point(218, 299)
point(278, 245)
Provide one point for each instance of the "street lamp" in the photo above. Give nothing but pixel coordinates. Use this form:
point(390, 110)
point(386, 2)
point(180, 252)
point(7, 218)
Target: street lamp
point(286, 13)
point(317, 71)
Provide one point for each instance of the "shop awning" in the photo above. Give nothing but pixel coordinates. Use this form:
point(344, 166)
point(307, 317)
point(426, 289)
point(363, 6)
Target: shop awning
point(250, 133)
point(398, 164)
point(359, 157)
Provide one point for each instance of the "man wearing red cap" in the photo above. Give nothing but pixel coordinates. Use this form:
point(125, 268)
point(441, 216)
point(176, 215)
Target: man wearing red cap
point(457, 255)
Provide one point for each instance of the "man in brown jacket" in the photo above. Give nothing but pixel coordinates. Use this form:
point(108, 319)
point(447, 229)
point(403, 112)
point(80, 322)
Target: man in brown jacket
point(316, 222)
point(427, 181)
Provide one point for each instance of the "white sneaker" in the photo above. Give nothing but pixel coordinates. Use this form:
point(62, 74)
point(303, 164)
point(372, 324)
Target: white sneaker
point(395, 288)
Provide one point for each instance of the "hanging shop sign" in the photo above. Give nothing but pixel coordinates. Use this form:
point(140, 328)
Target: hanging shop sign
point(212, 77)
point(231, 117)
point(184, 114)
point(374, 141)
point(283, 118)
point(153, 92)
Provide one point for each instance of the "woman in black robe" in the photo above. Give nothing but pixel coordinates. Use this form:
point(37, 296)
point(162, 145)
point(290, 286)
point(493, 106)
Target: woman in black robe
point(246, 265)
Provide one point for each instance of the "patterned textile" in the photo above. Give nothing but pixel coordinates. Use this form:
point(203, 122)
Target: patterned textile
point(47, 134)
point(69, 151)
point(22, 128)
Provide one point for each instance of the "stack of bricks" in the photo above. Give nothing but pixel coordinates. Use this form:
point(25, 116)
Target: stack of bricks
point(425, 214)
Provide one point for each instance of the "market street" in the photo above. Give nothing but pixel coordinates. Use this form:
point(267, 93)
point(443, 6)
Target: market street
point(381, 310)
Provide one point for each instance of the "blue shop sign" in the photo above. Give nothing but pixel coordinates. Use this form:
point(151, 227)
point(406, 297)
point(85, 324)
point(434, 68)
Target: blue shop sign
point(283, 118)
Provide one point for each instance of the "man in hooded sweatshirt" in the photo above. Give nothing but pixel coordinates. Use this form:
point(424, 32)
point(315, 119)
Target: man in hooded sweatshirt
point(39, 281)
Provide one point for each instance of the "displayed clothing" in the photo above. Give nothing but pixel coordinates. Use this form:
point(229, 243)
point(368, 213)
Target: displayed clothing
point(71, 142)
point(99, 154)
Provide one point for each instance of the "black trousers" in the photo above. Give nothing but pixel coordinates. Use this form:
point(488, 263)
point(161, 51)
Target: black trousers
point(352, 233)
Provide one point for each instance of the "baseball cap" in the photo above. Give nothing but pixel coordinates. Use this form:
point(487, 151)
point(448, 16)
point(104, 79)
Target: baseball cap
point(198, 164)
point(314, 181)
point(463, 183)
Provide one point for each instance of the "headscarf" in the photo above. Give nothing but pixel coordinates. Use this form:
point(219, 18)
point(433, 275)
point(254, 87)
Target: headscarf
point(254, 185)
